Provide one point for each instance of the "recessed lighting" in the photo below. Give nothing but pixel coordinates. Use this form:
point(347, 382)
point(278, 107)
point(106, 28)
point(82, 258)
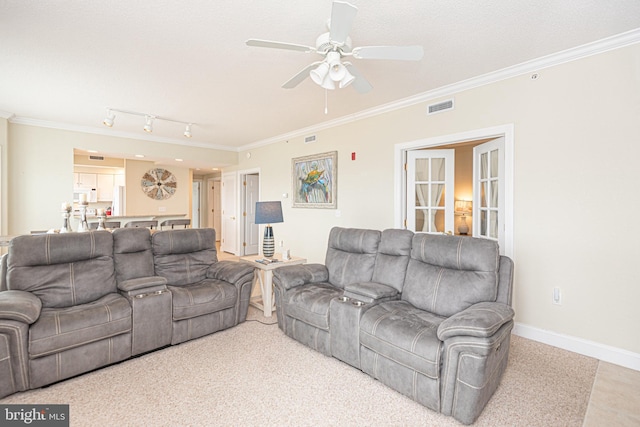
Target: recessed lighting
point(178, 160)
point(92, 151)
point(140, 156)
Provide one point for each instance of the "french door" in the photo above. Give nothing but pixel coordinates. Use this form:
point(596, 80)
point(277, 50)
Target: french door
point(430, 185)
point(489, 191)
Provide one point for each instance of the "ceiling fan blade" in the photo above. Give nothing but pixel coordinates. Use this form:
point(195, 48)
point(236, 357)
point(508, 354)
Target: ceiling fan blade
point(401, 53)
point(360, 84)
point(279, 45)
point(342, 15)
point(298, 78)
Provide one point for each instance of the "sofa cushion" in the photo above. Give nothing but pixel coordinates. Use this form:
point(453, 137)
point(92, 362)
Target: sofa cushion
point(351, 255)
point(404, 334)
point(183, 256)
point(132, 253)
point(310, 303)
point(447, 274)
point(63, 270)
point(60, 329)
point(183, 241)
point(204, 297)
point(392, 258)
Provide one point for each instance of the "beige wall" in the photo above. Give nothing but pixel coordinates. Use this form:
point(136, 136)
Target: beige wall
point(138, 203)
point(40, 166)
point(575, 187)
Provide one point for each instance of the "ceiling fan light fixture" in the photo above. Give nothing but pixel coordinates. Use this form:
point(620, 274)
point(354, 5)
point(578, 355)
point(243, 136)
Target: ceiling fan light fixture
point(319, 73)
point(108, 121)
point(347, 79)
point(148, 127)
point(328, 84)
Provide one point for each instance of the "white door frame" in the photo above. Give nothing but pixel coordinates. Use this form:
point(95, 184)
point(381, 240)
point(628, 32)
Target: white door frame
point(240, 226)
point(400, 158)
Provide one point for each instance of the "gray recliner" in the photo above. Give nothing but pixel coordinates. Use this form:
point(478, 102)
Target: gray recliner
point(208, 295)
point(62, 314)
point(304, 292)
point(428, 315)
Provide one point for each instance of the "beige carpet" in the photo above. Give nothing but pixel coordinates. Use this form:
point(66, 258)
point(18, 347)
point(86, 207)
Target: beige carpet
point(253, 375)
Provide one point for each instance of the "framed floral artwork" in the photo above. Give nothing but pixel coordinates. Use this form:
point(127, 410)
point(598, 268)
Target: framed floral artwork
point(315, 180)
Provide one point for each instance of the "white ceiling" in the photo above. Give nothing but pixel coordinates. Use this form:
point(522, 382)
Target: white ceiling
point(63, 62)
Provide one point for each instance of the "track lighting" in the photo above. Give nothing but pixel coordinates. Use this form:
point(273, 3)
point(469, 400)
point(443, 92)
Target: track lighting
point(149, 119)
point(148, 127)
point(108, 121)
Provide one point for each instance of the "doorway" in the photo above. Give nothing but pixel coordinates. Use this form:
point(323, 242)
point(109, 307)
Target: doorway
point(492, 208)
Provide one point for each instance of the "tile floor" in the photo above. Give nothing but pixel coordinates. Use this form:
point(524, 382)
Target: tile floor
point(615, 396)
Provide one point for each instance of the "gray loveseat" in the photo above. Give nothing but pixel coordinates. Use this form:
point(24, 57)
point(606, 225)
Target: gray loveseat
point(71, 303)
point(428, 315)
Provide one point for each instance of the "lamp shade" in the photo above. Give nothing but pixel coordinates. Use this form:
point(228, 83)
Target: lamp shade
point(268, 212)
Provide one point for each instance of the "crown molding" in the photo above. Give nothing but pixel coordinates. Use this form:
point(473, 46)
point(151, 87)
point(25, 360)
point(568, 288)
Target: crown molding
point(558, 58)
point(115, 133)
point(6, 115)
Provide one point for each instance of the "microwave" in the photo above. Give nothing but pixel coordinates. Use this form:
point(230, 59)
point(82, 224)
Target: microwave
point(92, 194)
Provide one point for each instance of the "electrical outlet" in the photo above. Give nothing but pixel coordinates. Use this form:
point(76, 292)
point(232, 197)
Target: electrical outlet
point(557, 296)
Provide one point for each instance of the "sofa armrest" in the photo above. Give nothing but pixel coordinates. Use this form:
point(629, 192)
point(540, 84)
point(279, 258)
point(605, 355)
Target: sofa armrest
point(480, 320)
point(291, 276)
point(370, 292)
point(20, 306)
point(141, 283)
point(229, 271)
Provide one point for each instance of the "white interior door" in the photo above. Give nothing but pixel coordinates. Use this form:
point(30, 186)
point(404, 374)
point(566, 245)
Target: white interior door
point(217, 207)
point(195, 204)
point(489, 191)
point(430, 187)
point(229, 239)
point(251, 232)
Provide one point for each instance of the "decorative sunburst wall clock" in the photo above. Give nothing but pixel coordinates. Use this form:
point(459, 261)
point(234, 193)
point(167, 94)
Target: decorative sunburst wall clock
point(159, 184)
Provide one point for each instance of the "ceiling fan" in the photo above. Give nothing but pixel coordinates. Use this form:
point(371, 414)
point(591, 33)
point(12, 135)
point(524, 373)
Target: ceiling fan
point(336, 45)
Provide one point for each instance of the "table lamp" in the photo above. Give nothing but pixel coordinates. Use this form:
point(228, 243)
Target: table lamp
point(463, 207)
point(268, 213)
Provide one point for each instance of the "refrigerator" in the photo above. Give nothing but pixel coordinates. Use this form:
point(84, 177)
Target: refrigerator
point(118, 207)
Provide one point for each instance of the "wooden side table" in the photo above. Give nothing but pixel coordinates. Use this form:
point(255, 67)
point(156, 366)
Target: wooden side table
point(264, 275)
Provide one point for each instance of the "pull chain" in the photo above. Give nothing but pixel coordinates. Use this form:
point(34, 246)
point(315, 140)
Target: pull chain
point(326, 102)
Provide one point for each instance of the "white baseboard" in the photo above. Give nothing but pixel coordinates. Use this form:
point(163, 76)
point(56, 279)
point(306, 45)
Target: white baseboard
point(603, 352)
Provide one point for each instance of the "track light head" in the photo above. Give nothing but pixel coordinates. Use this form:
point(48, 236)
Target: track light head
point(187, 131)
point(108, 121)
point(148, 127)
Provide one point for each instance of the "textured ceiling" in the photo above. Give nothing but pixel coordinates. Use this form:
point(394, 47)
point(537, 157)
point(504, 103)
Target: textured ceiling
point(64, 62)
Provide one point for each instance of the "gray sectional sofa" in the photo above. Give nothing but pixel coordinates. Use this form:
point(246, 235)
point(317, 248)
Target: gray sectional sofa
point(428, 315)
point(71, 303)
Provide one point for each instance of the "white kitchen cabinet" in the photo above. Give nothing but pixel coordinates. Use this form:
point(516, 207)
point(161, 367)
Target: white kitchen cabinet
point(105, 187)
point(84, 181)
point(118, 180)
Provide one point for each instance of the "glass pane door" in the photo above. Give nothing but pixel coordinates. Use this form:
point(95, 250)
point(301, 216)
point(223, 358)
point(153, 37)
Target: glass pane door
point(430, 190)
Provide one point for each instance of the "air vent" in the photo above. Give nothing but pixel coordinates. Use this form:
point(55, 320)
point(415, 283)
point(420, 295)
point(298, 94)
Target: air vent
point(440, 107)
point(96, 158)
point(309, 139)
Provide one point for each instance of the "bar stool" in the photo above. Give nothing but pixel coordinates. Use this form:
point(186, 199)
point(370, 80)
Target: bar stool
point(142, 224)
point(107, 224)
point(173, 222)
